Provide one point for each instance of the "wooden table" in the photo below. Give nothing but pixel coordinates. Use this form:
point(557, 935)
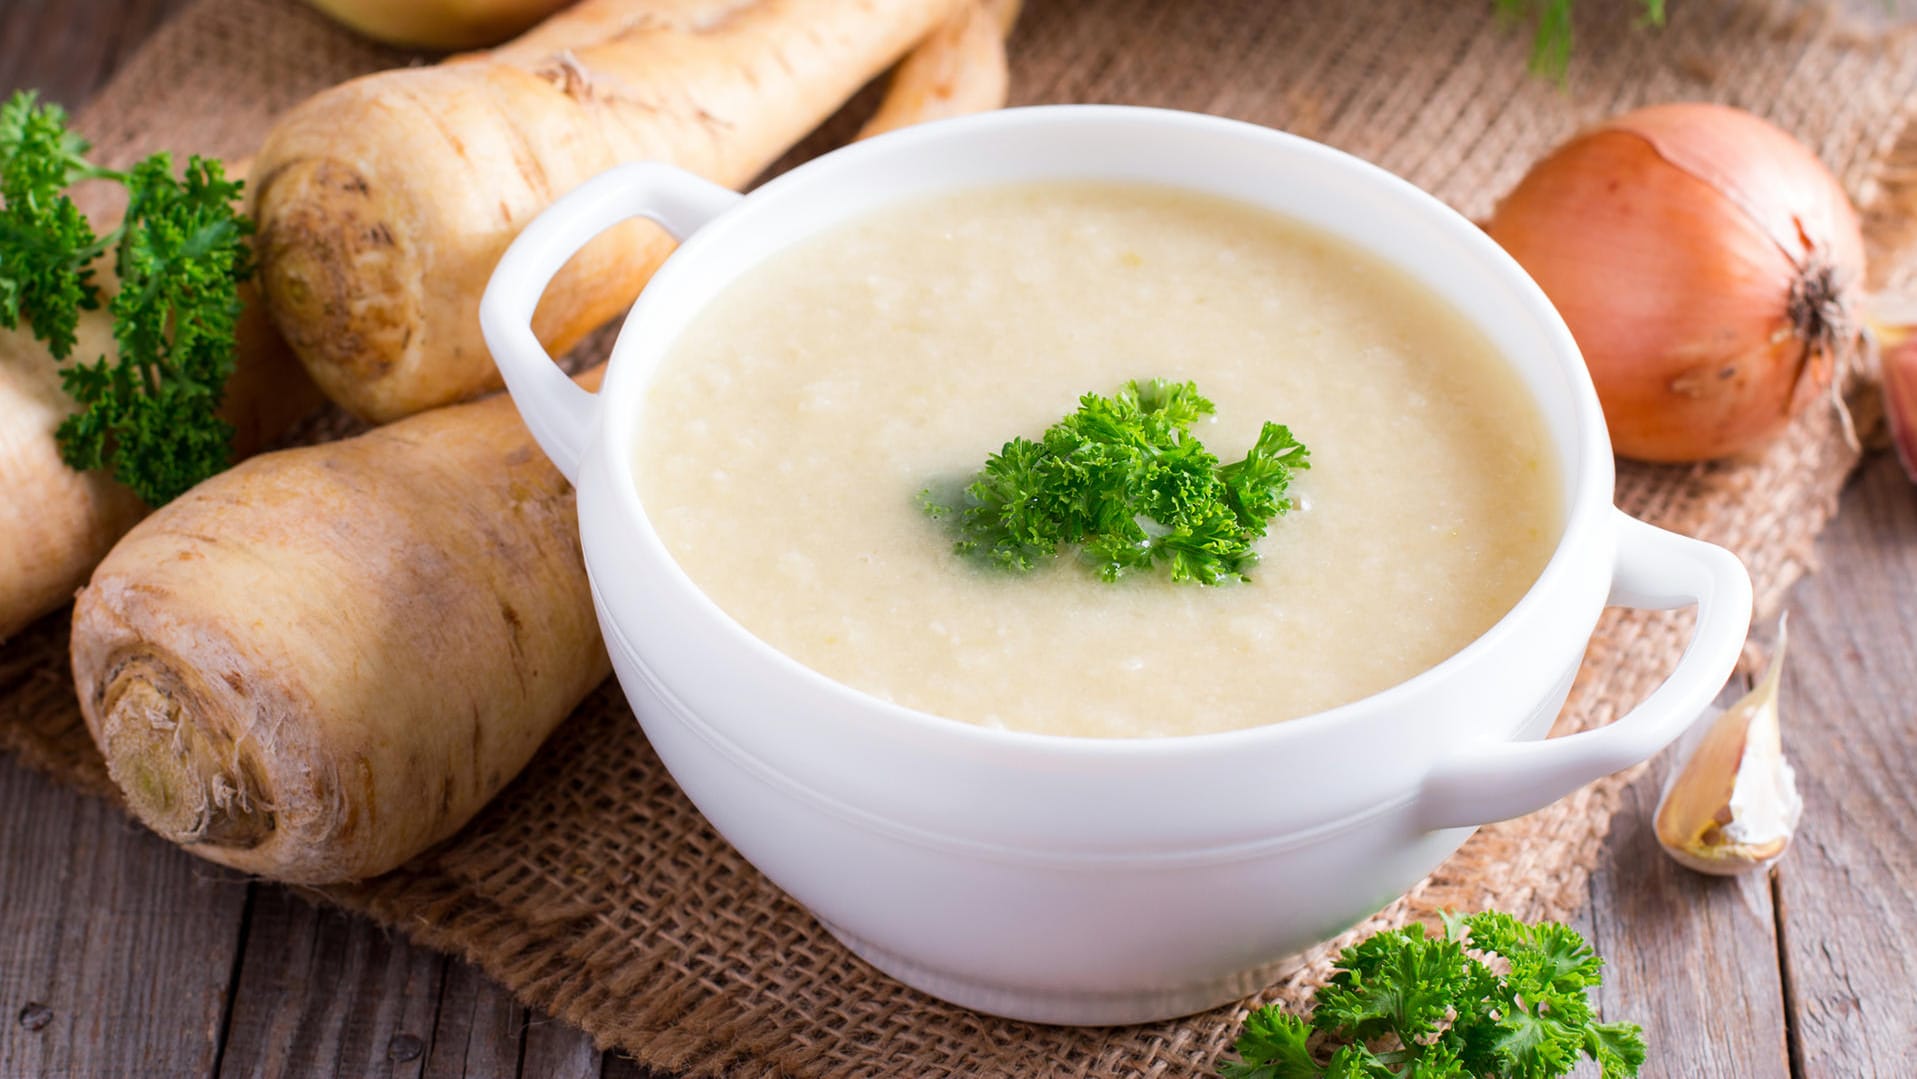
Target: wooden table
point(121, 955)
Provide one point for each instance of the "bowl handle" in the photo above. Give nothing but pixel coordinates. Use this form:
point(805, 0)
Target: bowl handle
point(1655, 570)
point(557, 410)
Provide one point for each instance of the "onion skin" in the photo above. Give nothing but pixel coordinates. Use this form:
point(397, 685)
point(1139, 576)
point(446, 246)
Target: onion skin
point(1708, 265)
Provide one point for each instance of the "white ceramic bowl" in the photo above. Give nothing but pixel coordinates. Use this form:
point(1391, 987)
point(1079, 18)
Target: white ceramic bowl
point(1073, 880)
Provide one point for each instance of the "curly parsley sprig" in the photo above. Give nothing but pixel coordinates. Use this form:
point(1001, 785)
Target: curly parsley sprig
point(1403, 1005)
point(151, 413)
point(1125, 480)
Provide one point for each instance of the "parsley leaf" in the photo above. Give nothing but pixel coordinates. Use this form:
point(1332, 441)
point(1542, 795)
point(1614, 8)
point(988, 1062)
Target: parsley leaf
point(1404, 1005)
point(1273, 1047)
point(1399, 983)
point(1618, 1048)
point(1358, 1062)
point(47, 247)
point(1125, 480)
point(150, 413)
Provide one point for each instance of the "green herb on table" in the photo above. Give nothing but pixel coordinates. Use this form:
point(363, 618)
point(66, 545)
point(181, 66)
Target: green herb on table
point(1126, 481)
point(1551, 46)
point(151, 414)
point(1403, 1005)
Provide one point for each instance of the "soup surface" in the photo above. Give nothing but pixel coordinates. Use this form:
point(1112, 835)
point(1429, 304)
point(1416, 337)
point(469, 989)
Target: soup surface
point(787, 434)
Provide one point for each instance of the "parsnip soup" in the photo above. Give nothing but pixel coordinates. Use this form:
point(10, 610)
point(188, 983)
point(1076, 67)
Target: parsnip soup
point(788, 435)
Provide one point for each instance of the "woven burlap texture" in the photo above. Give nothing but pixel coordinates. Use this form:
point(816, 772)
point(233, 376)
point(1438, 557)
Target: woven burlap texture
point(595, 890)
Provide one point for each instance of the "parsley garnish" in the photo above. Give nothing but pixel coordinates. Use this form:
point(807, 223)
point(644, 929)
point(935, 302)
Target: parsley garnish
point(1406, 1006)
point(151, 413)
point(1125, 480)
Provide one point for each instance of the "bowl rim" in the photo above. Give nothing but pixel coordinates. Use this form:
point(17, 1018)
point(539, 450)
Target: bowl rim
point(1588, 500)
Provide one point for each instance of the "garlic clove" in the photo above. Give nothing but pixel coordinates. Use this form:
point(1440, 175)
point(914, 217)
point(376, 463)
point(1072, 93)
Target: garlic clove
point(1733, 805)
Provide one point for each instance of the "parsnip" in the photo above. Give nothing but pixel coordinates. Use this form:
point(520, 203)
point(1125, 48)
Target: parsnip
point(55, 523)
point(322, 662)
point(315, 665)
point(385, 202)
point(960, 69)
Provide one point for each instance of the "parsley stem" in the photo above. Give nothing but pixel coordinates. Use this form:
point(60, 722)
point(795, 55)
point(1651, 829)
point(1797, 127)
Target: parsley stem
point(96, 172)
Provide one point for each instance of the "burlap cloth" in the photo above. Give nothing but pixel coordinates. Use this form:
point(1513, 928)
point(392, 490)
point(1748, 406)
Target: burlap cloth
point(595, 890)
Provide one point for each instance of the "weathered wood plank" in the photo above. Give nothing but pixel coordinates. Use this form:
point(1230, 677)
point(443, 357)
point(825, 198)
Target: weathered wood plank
point(116, 949)
point(1847, 889)
point(478, 1029)
point(321, 993)
point(1690, 958)
point(324, 993)
point(554, 1050)
point(67, 48)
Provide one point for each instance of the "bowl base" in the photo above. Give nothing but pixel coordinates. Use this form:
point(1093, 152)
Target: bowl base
point(1065, 1007)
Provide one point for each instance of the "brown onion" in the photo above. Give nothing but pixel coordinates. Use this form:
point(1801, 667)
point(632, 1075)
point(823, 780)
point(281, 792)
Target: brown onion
point(1708, 264)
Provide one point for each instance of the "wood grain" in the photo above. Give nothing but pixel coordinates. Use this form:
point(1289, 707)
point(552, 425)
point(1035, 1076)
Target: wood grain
point(116, 949)
point(551, 1048)
point(323, 993)
point(478, 1030)
point(1847, 890)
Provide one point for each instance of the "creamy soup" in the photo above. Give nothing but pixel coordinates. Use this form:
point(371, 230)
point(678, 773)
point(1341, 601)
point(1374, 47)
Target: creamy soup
point(788, 432)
